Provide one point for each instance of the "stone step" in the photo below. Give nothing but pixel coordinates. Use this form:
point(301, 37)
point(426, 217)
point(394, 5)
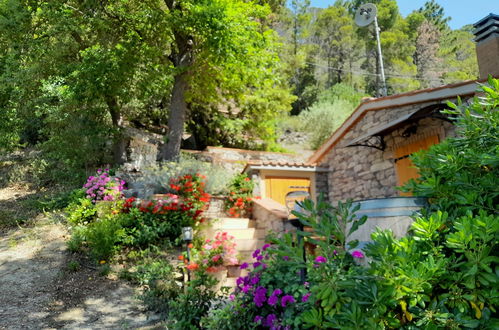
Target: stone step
point(248, 233)
point(236, 271)
point(248, 245)
point(230, 282)
point(232, 223)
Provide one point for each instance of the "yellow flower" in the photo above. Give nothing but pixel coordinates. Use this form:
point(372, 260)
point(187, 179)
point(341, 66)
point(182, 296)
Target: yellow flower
point(102, 262)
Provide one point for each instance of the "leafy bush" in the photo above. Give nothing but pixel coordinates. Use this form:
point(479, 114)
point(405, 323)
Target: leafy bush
point(461, 173)
point(81, 212)
point(191, 306)
point(160, 281)
point(323, 118)
point(103, 236)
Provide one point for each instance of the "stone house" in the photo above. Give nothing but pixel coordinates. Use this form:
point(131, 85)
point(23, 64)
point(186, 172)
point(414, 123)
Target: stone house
point(368, 155)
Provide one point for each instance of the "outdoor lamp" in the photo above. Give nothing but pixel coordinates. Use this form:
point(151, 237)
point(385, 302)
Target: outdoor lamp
point(187, 234)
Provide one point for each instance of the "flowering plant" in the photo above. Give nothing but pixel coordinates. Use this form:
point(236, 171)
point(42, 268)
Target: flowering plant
point(211, 255)
point(191, 189)
point(103, 187)
point(272, 292)
point(239, 202)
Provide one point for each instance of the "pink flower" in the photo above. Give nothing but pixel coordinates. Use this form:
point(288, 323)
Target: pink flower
point(357, 254)
point(320, 260)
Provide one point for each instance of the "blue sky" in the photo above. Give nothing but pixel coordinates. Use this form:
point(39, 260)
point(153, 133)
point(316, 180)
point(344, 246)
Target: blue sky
point(462, 11)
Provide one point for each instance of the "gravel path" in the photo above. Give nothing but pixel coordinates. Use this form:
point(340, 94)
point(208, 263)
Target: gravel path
point(38, 291)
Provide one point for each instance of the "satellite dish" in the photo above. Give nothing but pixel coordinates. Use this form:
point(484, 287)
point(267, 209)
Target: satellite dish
point(366, 14)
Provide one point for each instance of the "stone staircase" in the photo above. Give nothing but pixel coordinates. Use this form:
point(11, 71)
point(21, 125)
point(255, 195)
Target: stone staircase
point(249, 234)
point(247, 239)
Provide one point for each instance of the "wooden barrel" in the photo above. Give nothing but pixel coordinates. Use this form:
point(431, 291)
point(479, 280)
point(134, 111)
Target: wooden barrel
point(387, 213)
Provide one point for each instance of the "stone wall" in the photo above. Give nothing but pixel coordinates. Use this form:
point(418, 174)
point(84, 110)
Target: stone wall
point(321, 184)
point(235, 159)
point(271, 216)
point(142, 149)
point(363, 172)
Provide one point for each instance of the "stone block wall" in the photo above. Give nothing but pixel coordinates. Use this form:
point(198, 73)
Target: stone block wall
point(271, 216)
point(235, 160)
point(363, 172)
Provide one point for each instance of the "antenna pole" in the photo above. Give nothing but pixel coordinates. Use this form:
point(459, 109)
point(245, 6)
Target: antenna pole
point(382, 69)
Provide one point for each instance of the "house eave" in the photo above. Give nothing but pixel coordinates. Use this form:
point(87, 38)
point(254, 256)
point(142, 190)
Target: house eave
point(446, 92)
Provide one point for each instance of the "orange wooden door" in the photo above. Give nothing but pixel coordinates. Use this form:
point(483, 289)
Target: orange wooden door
point(405, 167)
point(276, 188)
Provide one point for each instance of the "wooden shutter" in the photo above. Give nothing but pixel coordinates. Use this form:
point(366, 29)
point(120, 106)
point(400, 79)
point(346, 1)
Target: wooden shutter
point(405, 167)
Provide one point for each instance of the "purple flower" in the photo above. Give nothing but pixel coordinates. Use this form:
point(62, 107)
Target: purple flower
point(270, 320)
point(244, 265)
point(272, 300)
point(277, 292)
point(255, 280)
point(256, 264)
point(287, 299)
point(256, 253)
point(239, 281)
point(232, 297)
point(285, 258)
point(259, 258)
point(357, 254)
point(305, 297)
point(260, 296)
point(246, 288)
point(258, 319)
point(320, 260)
point(335, 252)
point(265, 247)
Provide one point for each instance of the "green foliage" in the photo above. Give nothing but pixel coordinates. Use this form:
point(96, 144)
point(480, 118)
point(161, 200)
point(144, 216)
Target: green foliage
point(103, 236)
point(333, 107)
point(333, 224)
point(460, 173)
point(322, 119)
point(189, 308)
point(81, 211)
point(160, 280)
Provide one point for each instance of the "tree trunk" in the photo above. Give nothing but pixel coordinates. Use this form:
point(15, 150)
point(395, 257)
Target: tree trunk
point(178, 114)
point(119, 141)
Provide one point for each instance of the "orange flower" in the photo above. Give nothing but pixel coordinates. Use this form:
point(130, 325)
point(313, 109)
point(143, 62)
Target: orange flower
point(192, 266)
point(180, 257)
point(190, 246)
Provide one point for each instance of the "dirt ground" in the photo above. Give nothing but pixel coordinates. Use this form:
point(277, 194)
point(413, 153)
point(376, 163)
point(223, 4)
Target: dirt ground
point(40, 290)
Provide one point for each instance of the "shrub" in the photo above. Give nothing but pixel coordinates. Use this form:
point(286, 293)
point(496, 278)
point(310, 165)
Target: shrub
point(321, 119)
point(81, 212)
point(461, 173)
point(160, 281)
point(103, 237)
point(191, 306)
